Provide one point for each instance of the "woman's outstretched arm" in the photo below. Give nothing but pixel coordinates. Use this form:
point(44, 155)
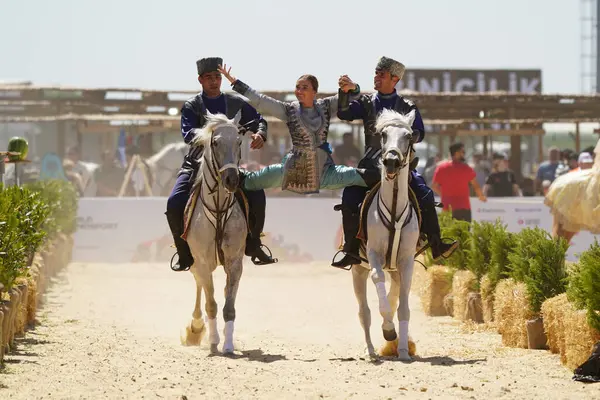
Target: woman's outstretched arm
point(264, 104)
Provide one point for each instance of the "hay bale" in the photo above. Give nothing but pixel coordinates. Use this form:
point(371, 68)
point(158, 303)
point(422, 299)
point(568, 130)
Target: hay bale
point(463, 283)
point(553, 311)
point(438, 284)
point(487, 298)
point(511, 312)
point(579, 338)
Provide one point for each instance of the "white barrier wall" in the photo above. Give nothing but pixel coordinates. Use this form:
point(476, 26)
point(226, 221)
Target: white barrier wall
point(120, 230)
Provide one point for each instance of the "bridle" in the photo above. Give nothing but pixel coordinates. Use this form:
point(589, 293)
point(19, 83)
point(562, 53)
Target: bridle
point(388, 217)
point(219, 213)
point(397, 151)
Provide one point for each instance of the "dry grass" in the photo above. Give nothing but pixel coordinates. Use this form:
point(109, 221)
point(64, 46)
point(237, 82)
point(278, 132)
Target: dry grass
point(568, 331)
point(436, 285)
point(511, 312)
point(463, 283)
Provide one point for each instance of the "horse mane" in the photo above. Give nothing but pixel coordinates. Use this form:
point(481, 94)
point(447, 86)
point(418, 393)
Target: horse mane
point(212, 121)
point(392, 118)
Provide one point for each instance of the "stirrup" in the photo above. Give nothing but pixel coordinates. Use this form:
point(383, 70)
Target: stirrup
point(258, 261)
point(347, 267)
point(175, 269)
point(452, 250)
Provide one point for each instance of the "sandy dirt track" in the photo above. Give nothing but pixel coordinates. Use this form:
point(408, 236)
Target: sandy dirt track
point(112, 332)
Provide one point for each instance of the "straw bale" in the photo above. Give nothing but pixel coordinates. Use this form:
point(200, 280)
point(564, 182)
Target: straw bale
point(487, 298)
point(511, 312)
point(553, 310)
point(438, 284)
point(463, 283)
point(579, 338)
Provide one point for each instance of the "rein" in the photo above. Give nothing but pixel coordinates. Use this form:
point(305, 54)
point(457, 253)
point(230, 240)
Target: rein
point(392, 223)
point(220, 214)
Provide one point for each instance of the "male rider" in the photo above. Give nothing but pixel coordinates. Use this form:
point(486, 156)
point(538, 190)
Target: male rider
point(387, 74)
point(193, 119)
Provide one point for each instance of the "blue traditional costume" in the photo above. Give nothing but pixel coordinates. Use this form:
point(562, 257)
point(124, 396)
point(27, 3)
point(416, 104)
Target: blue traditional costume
point(308, 167)
point(193, 119)
point(367, 107)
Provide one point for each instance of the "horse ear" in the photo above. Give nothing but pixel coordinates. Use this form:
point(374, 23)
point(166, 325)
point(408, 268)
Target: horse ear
point(237, 118)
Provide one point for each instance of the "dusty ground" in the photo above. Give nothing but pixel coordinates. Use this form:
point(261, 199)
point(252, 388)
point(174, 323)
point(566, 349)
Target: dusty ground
point(112, 332)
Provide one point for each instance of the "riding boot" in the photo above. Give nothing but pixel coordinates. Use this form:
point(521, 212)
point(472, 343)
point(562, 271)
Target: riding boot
point(257, 204)
point(350, 222)
point(431, 227)
point(175, 220)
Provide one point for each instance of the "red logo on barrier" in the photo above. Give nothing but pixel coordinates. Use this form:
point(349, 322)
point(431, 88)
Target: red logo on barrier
point(520, 221)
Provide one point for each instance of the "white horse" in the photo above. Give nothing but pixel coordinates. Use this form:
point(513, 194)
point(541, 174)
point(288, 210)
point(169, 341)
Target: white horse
point(164, 166)
point(217, 235)
point(393, 233)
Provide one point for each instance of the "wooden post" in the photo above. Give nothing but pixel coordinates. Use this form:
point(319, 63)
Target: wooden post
point(577, 138)
point(136, 161)
point(540, 149)
point(485, 146)
point(515, 162)
point(61, 127)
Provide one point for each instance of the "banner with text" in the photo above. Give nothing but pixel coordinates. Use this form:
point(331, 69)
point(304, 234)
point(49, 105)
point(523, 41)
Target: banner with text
point(120, 230)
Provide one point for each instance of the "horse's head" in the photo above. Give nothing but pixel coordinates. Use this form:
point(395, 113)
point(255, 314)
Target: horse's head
point(221, 136)
point(396, 140)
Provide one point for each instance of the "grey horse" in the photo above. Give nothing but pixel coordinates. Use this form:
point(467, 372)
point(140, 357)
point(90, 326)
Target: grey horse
point(393, 234)
point(217, 232)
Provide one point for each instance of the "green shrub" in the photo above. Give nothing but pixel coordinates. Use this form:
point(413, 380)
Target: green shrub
point(538, 260)
point(479, 253)
point(584, 284)
point(523, 251)
point(28, 216)
point(460, 231)
point(502, 243)
point(547, 276)
point(63, 198)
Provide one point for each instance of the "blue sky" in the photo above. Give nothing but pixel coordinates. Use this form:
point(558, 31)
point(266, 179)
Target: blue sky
point(154, 44)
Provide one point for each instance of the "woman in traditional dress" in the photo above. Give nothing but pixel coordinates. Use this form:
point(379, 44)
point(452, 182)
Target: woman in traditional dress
point(309, 166)
point(574, 201)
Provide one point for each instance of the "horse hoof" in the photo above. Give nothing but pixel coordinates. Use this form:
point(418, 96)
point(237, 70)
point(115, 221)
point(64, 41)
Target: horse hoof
point(191, 338)
point(228, 350)
point(214, 348)
point(403, 355)
point(390, 335)
point(371, 355)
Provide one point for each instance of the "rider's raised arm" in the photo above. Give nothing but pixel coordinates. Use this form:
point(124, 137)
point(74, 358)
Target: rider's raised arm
point(264, 104)
point(349, 111)
point(418, 126)
point(334, 100)
point(189, 122)
point(259, 124)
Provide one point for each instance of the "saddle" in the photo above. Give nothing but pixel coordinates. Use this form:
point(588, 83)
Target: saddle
point(193, 200)
point(364, 208)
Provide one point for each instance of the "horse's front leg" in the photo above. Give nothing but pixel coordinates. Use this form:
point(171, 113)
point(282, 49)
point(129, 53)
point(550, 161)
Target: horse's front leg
point(211, 308)
point(378, 278)
point(196, 330)
point(359, 279)
point(405, 271)
point(234, 274)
